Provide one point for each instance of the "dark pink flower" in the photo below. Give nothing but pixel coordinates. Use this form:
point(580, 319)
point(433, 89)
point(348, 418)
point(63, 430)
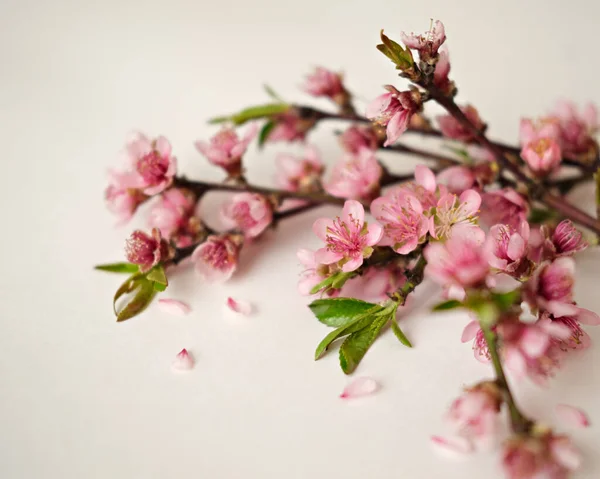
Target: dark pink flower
point(460, 261)
point(508, 248)
point(146, 250)
point(356, 138)
point(290, 126)
point(355, 177)
point(543, 156)
point(452, 211)
point(577, 130)
point(567, 240)
point(349, 239)
point(394, 110)
point(457, 179)
point(226, 149)
point(544, 455)
point(452, 128)
point(428, 43)
point(121, 199)
point(503, 206)
point(152, 162)
point(324, 82)
point(216, 258)
point(250, 213)
point(300, 174)
point(404, 224)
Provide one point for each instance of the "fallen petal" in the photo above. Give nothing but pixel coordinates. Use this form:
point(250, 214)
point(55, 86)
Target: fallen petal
point(239, 306)
point(173, 306)
point(572, 416)
point(453, 447)
point(362, 386)
point(183, 361)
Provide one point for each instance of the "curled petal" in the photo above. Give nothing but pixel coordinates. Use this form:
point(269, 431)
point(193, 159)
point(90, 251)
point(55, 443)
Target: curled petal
point(588, 317)
point(362, 386)
point(452, 446)
point(183, 361)
point(353, 211)
point(397, 125)
point(572, 416)
point(173, 306)
point(470, 331)
point(566, 454)
point(239, 306)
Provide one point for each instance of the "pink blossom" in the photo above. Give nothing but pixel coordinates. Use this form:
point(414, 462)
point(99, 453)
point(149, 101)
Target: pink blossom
point(152, 162)
point(543, 156)
point(216, 258)
point(572, 416)
point(324, 82)
point(404, 224)
point(452, 128)
point(394, 110)
point(530, 132)
point(183, 361)
point(566, 240)
point(577, 130)
point(313, 273)
point(173, 306)
point(226, 149)
point(250, 213)
point(503, 206)
point(460, 261)
point(146, 250)
point(349, 239)
point(508, 248)
point(355, 177)
point(290, 126)
point(359, 387)
point(299, 174)
point(121, 199)
point(547, 456)
point(375, 284)
point(356, 138)
point(457, 179)
point(474, 415)
point(442, 70)
point(452, 211)
point(428, 43)
point(172, 212)
point(578, 338)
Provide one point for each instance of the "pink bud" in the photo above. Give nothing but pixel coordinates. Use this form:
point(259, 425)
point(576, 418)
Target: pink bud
point(300, 174)
point(226, 149)
point(567, 239)
point(452, 128)
point(355, 177)
point(324, 82)
point(290, 126)
point(543, 156)
point(356, 138)
point(250, 213)
point(394, 110)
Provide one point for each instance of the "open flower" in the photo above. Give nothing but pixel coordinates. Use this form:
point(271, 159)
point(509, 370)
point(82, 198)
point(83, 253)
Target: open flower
point(174, 215)
point(577, 130)
point(146, 250)
point(577, 339)
point(452, 211)
point(152, 162)
point(428, 43)
point(508, 248)
point(216, 258)
point(349, 239)
point(503, 207)
point(530, 131)
point(452, 128)
point(404, 224)
point(250, 213)
point(357, 137)
point(226, 149)
point(121, 199)
point(299, 174)
point(355, 177)
point(394, 110)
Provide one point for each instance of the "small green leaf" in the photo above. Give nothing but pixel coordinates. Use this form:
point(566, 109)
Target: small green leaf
point(340, 278)
point(118, 267)
point(357, 324)
point(253, 113)
point(139, 292)
point(505, 300)
point(399, 334)
point(157, 274)
point(322, 285)
point(265, 131)
point(355, 346)
point(446, 305)
point(273, 94)
point(401, 57)
point(159, 287)
point(336, 312)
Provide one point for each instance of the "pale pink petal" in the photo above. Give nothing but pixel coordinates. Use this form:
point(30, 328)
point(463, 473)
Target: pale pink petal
point(239, 306)
point(470, 202)
point(588, 317)
point(163, 146)
point(572, 416)
point(374, 234)
point(321, 226)
point(470, 331)
point(353, 211)
point(397, 125)
point(306, 257)
point(378, 105)
point(324, 256)
point(425, 177)
point(534, 342)
point(173, 306)
point(559, 309)
point(352, 264)
point(362, 386)
point(566, 454)
point(515, 362)
point(183, 361)
point(516, 247)
point(452, 446)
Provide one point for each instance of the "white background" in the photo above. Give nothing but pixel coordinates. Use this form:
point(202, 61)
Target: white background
point(84, 397)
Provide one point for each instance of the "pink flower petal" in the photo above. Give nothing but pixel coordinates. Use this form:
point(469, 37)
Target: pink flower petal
point(239, 306)
point(173, 306)
point(470, 331)
point(572, 416)
point(452, 446)
point(362, 386)
point(183, 361)
point(566, 454)
point(425, 178)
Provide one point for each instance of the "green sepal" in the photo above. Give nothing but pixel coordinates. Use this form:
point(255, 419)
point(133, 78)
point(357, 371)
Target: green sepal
point(157, 274)
point(446, 305)
point(118, 268)
point(253, 113)
point(399, 334)
point(265, 131)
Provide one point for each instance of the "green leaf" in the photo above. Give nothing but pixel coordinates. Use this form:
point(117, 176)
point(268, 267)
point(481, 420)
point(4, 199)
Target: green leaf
point(401, 57)
point(446, 305)
point(159, 287)
point(399, 334)
point(505, 300)
point(357, 324)
point(157, 274)
point(265, 132)
point(137, 293)
point(273, 94)
point(253, 113)
point(118, 267)
point(355, 346)
point(336, 312)
point(336, 280)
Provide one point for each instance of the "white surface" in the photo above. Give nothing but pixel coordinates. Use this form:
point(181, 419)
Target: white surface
point(82, 396)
